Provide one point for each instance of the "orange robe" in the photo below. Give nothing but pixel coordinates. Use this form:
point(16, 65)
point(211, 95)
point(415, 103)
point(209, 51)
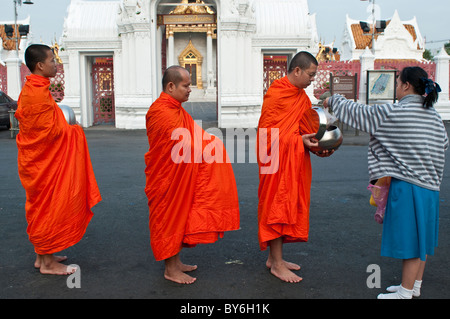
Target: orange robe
point(192, 199)
point(284, 191)
point(55, 170)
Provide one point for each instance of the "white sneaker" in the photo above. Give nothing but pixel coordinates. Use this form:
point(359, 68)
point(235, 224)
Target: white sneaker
point(401, 293)
point(416, 289)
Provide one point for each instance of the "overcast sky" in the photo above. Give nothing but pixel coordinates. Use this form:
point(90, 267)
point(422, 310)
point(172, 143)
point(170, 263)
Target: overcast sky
point(47, 17)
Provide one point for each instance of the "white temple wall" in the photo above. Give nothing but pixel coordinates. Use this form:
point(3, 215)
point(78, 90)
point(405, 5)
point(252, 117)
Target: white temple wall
point(240, 103)
point(71, 81)
point(133, 79)
point(136, 52)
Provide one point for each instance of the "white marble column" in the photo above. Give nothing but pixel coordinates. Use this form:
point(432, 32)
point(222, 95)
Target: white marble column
point(367, 63)
point(170, 48)
point(442, 78)
point(210, 63)
point(13, 77)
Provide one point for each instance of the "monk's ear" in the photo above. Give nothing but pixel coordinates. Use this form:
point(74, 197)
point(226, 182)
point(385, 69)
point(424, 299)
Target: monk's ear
point(39, 66)
point(171, 87)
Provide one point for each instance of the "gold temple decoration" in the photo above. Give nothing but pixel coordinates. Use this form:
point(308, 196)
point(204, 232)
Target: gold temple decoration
point(191, 59)
point(327, 53)
point(55, 48)
point(190, 18)
point(185, 9)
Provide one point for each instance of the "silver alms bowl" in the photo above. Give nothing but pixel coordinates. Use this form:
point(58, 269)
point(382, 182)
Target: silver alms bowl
point(331, 139)
point(321, 118)
point(69, 114)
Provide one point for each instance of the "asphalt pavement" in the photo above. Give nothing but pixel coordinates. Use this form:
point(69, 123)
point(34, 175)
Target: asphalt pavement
point(341, 260)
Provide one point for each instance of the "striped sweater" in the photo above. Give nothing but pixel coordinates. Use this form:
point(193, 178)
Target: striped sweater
point(407, 141)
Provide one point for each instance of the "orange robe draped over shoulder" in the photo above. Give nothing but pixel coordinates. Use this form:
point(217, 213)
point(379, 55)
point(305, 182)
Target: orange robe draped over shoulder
point(284, 190)
point(55, 170)
point(192, 197)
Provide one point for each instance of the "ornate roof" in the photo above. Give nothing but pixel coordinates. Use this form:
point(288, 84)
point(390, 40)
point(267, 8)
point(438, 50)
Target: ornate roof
point(184, 9)
point(395, 39)
point(364, 39)
point(284, 18)
point(9, 43)
point(91, 20)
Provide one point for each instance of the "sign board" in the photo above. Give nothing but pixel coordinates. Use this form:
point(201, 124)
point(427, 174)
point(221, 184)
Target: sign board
point(381, 85)
point(346, 85)
point(186, 19)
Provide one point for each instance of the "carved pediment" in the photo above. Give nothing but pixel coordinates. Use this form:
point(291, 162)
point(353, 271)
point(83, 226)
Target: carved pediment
point(185, 8)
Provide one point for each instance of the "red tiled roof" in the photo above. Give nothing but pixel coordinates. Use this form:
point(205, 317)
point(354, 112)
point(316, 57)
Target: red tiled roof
point(364, 39)
point(8, 43)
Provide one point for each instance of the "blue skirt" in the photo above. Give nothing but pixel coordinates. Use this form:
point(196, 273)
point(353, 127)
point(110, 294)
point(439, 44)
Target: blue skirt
point(411, 221)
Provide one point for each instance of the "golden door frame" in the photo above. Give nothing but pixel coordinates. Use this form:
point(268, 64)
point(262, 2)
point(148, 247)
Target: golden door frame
point(190, 55)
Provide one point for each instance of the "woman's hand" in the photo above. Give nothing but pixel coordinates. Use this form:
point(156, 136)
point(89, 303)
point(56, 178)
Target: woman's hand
point(325, 103)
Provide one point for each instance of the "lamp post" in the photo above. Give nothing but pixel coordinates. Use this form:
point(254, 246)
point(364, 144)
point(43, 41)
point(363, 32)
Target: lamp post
point(16, 27)
point(373, 25)
point(16, 39)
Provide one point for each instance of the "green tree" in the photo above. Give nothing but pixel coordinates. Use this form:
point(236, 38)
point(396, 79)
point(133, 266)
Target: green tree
point(427, 55)
point(447, 47)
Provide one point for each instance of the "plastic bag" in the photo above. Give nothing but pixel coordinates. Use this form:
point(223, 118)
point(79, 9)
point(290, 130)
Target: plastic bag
point(380, 192)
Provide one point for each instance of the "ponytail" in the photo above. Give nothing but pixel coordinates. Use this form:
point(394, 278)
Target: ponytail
point(431, 90)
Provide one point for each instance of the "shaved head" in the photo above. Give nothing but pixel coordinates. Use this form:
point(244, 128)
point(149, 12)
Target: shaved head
point(303, 60)
point(177, 83)
point(34, 54)
point(173, 74)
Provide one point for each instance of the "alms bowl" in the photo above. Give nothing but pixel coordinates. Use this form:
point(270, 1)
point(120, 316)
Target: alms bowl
point(331, 139)
point(69, 114)
point(321, 118)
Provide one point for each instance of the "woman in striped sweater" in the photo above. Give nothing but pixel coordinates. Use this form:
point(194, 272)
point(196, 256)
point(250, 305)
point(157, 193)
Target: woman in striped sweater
point(407, 142)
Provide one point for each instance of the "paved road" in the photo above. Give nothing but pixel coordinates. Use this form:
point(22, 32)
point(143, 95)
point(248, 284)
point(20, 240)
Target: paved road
point(116, 260)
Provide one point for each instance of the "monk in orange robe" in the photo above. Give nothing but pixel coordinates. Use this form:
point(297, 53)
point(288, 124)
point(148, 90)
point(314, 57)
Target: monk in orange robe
point(190, 184)
point(54, 167)
point(285, 134)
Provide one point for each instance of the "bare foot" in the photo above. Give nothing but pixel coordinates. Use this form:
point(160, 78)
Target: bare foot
point(288, 264)
point(186, 268)
point(37, 263)
point(175, 270)
point(58, 269)
point(284, 273)
point(179, 277)
point(49, 266)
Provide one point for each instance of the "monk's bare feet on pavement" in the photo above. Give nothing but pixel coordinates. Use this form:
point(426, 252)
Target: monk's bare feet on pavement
point(49, 266)
point(186, 268)
point(281, 271)
point(178, 276)
point(175, 271)
point(289, 265)
point(278, 266)
point(37, 263)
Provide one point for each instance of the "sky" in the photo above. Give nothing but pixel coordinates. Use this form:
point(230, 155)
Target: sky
point(47, 17)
